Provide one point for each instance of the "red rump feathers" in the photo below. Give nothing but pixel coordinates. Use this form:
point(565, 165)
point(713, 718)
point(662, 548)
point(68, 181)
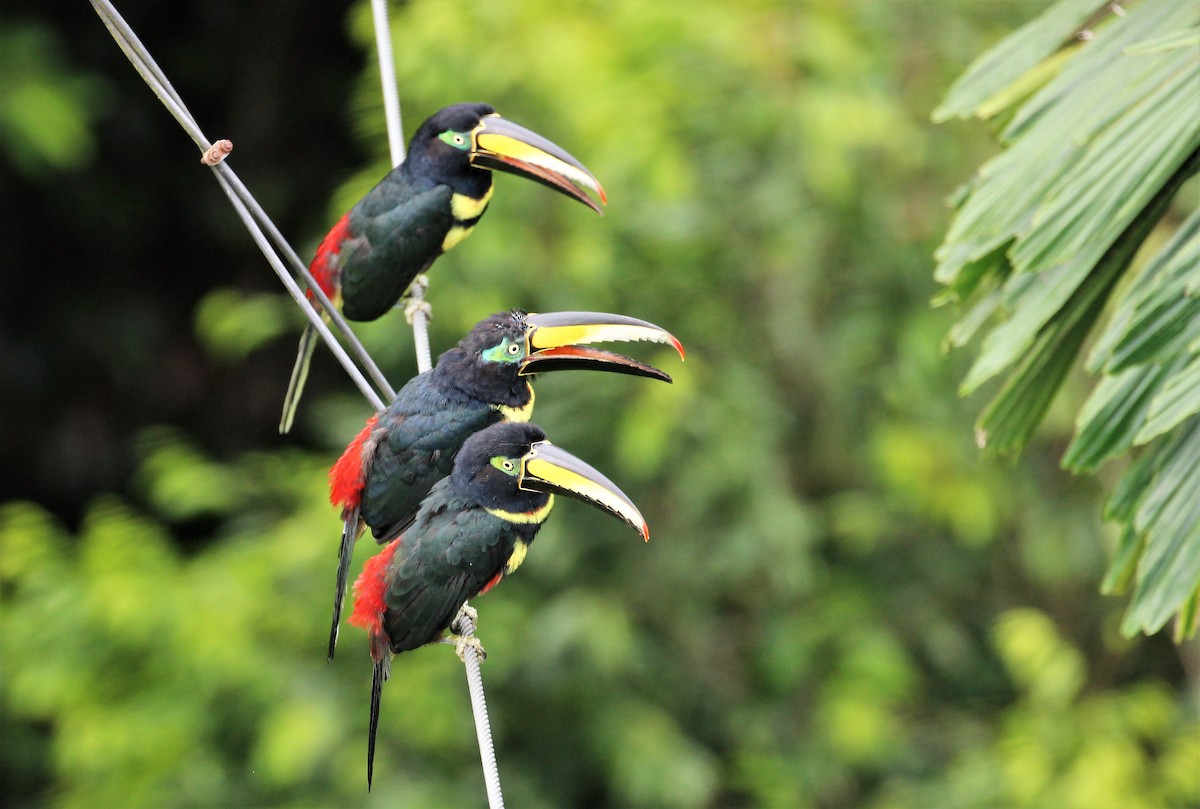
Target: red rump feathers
point(370, 589)
point(348, 475)
point(327, 253)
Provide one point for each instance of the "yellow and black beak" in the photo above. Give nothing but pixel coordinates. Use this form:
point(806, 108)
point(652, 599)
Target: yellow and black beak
point(556, 341)
point(546, 468)
point(502, 145)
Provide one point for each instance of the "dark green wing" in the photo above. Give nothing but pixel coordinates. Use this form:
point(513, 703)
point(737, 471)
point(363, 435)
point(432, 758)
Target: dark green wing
point(424, 430)
point(448, 555)
point(396, 236)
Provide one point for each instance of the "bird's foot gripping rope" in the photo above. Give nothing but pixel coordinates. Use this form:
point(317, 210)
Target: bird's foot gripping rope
point(414, 301)
point(461, 644)
point(463, 629)
point(465, 613)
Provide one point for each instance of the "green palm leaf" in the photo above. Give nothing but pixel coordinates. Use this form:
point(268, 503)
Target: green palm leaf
point(1102, 132)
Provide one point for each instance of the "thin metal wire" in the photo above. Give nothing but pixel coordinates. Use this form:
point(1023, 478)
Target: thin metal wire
point(420, 324)
point(299, 266)
point(150, 72)
point(294, 289)
point(256, 221)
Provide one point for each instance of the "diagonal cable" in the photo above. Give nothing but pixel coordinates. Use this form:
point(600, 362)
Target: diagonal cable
point(252, 214)
point(256, 221)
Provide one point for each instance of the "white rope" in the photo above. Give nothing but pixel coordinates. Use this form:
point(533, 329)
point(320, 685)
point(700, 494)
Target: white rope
point(465, 627)
point(419, 314)
point(252, 214)
point(417, 311)
point(387, 78)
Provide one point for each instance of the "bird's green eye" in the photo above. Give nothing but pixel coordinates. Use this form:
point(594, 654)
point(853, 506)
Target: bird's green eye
point(506, 351)
point(459, 140)
point(506, 465)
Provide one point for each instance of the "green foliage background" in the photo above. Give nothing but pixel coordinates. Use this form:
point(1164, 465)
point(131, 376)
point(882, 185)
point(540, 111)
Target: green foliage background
point(842, 604)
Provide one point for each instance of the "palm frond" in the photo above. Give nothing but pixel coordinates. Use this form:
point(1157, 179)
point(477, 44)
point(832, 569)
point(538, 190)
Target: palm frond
point(1101, 133)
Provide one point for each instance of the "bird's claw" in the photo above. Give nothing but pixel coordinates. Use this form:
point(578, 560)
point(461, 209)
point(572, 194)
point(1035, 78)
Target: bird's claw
point(414, 305)
point(468, 612)
point(461, 642)
point(463, 627)
point(414, 300)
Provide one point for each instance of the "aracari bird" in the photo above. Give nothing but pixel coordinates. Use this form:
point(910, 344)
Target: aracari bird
point(421, 209)
point(472, 529)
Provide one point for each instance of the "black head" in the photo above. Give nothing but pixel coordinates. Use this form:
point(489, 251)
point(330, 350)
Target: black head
point(488, 467)
point(511, 469)
point(440, 149)
point(456, 118)
point(486, 364)
point(493, 337)
point(462, 144)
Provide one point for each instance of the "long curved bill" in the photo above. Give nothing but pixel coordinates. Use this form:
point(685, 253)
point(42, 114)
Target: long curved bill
point(546, 468)
point(559, 341)
point(502, 145)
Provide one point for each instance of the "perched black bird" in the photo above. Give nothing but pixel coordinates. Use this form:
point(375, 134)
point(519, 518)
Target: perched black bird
point(386, 471)
point(471, 530)
point(424, 207)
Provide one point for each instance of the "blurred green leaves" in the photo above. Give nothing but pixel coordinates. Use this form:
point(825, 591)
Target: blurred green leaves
point(1099, 140)
point(232, 324)
point(1048, 670)
point(177, 679)
point(1060, 746)
point(651, 760)
point(47, 107)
